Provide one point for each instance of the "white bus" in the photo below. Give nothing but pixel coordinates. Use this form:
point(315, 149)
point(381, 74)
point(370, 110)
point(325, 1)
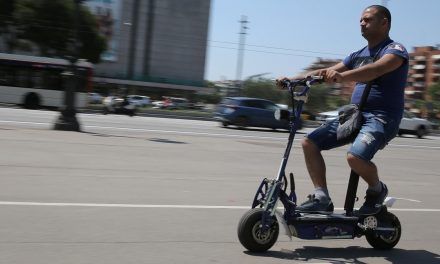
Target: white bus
point(35, 82)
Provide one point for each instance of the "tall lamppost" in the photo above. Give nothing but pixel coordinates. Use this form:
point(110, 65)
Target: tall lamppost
point(67, 119)
point(240, 54)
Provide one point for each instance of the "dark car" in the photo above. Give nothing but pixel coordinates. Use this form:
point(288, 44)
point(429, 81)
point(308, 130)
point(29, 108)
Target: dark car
point(249, 112)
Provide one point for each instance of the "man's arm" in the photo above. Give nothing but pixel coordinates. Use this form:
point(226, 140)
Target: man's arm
point(386, 64)
point(339, 67)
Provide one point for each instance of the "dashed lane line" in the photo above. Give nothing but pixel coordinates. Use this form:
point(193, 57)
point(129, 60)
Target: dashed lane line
point(173, 206)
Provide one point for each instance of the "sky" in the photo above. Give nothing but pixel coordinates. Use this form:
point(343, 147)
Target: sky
point(285, 36)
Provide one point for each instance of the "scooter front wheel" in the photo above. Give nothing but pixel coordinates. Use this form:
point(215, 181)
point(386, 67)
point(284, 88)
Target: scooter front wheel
point(251, 235)
point(384, 242)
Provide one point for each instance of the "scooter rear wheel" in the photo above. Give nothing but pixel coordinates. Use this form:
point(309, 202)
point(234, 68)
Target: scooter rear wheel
point(386, 242)
point(250, 234)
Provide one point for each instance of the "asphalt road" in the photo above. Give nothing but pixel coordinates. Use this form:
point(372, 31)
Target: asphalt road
point(158, 190)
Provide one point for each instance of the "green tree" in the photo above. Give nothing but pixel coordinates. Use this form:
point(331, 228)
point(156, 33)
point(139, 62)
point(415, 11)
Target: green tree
point(434, 92)
point(434, 105)
point(92, 44)
point(318, 99)
point(50, 25)
point(7, 22)
point(262, 88)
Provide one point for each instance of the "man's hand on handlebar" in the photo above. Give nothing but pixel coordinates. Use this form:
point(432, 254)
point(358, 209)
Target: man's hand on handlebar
point(281, 82)
point(333, 76)
point(329, 75)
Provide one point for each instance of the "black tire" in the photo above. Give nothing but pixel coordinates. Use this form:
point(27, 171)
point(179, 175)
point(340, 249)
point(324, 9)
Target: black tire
point(386, 243)
point(225, 124)
point(31, 101)
point(249, 231)
point(421, 131)
point(241, 122)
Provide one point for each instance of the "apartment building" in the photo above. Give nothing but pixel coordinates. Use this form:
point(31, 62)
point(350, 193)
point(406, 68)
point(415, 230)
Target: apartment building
point(158, 46)
point(424, 71)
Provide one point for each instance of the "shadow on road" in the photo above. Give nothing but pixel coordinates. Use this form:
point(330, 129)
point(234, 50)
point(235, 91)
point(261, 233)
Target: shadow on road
point(164, 140)
point(261, 129)
point(159, 140)
point(352, 255)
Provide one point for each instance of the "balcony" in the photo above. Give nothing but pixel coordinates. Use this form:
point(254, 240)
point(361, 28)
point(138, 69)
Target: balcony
point(418, 84)
point(419, 67)
point(418, 75)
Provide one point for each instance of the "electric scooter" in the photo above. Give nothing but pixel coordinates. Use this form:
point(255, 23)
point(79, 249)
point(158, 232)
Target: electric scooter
point(259, 227)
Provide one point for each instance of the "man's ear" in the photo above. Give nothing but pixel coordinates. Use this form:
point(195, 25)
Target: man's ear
point(385, 21)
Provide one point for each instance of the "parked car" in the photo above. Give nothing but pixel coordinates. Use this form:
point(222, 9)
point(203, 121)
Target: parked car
point(139, 100)
point(171, 103)
point(249, 112)
point(409, 124)
point(157, 104)
point(328, 116)
point(94, 98)
point(175, 103)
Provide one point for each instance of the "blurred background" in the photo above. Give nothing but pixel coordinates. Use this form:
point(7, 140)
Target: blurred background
point(190, 54)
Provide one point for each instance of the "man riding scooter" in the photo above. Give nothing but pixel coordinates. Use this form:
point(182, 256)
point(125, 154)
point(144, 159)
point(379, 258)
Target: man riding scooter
point(384, 63)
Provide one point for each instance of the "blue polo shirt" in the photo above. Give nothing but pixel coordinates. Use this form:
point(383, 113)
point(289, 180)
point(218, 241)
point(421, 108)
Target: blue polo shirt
point(387, 92)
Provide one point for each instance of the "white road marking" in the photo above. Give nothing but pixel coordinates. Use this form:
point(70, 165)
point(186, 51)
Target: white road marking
point(198, 133)
point(187, 132)
point(155, 130)
point(23, 123)
point(174, 206)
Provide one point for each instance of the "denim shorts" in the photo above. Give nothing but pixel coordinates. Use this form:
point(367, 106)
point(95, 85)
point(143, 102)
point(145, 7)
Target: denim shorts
point(375, 134)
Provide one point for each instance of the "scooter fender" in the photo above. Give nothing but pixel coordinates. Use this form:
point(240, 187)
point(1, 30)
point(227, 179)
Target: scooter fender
point(282, 222)
point(389, 201)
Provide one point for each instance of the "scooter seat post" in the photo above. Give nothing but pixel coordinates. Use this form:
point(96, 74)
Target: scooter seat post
point(350, 198)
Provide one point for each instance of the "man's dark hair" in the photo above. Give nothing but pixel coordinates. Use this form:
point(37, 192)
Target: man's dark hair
point(382, 11)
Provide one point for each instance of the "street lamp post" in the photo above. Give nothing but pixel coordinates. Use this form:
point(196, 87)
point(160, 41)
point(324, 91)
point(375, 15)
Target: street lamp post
point(67, 119)
point(240, 54)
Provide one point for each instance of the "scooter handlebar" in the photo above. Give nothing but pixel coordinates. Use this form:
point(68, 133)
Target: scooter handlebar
point(306, 82)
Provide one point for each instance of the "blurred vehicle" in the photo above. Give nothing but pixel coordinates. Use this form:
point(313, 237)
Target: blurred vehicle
point(139, 100)
point(35, 82)
point(413, 125)
point(175, 103)
point(283, 106)
point(171, 103)
point(157, 104)
point(410, 124)
point(118, 105)
point(94, 98)
point(196, 105)
point(249, 112)
point(328, 116)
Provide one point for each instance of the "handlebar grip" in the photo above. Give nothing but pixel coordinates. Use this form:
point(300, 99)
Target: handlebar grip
point(315, 79)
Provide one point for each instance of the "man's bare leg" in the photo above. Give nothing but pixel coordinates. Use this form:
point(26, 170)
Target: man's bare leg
point(320, 202)
point(367, 170)
point(315, 163)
